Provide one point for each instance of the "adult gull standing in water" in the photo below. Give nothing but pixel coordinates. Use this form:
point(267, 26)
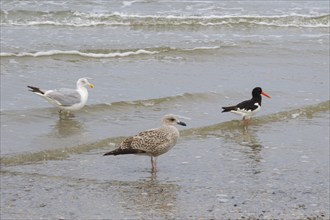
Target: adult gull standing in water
point(66, 99)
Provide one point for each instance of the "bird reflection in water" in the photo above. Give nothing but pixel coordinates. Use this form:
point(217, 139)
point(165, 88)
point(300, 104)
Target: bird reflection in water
point(149, 198)
point(249, 138)
point(68, 127)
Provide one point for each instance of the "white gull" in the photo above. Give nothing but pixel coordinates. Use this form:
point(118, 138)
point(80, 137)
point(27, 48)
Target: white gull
point(66, 99)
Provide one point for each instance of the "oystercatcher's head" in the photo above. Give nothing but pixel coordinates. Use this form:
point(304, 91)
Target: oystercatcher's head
point(258, 91)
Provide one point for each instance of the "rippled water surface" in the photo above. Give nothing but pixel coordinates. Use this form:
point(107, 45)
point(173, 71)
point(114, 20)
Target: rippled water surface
point(150, 58)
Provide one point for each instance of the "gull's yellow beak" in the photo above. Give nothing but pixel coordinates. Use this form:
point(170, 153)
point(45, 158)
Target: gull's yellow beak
point(91, 85)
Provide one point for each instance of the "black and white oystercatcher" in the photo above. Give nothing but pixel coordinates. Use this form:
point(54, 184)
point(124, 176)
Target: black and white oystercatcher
point(248, 108)
point(153, 142)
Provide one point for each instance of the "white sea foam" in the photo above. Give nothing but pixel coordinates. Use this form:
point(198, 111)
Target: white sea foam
point(149, 51)
point(83, 19)
point(203, 48)
point(128, 3)
point(75, 52)
point(60, 23)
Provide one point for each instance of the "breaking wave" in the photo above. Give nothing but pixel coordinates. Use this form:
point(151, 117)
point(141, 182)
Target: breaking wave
point(107, 53)
point(79, 19)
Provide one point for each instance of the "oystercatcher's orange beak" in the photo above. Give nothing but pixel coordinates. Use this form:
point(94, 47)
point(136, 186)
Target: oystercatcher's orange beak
point(262, 93)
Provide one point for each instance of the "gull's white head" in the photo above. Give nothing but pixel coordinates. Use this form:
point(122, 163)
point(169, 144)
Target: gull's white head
point(84, 82)
point(172, 120)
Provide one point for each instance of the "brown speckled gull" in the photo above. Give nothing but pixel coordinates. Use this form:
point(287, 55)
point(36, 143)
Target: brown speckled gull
point(153, 142)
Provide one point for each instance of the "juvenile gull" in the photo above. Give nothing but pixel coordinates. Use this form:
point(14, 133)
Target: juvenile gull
point(153, 142)
point(248, 108)
point(66, 99)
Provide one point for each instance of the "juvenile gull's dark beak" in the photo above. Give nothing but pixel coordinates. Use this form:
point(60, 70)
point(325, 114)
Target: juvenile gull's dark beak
point(181, 123)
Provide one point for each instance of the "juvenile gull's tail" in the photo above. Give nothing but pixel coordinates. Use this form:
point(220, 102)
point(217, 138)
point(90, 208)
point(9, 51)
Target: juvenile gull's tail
point(124, 151)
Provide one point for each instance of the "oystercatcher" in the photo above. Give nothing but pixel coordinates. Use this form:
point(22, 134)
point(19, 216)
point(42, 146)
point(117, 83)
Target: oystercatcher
point(248, 108)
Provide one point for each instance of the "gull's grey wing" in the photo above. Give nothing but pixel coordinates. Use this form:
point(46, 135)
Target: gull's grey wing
point(65, 97)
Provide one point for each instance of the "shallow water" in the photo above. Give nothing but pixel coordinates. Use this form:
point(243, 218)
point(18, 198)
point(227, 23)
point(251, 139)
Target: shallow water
point(150, 58)
point(223, 171)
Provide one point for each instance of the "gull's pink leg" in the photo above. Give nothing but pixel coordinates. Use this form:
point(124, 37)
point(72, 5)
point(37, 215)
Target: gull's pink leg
point(153, 164)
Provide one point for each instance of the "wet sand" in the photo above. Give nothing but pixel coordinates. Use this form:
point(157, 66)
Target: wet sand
point(218, 172)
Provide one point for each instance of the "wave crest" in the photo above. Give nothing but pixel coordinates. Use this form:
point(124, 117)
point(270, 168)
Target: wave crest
point(80, 19)
point(79, 53)
point(108, 53)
